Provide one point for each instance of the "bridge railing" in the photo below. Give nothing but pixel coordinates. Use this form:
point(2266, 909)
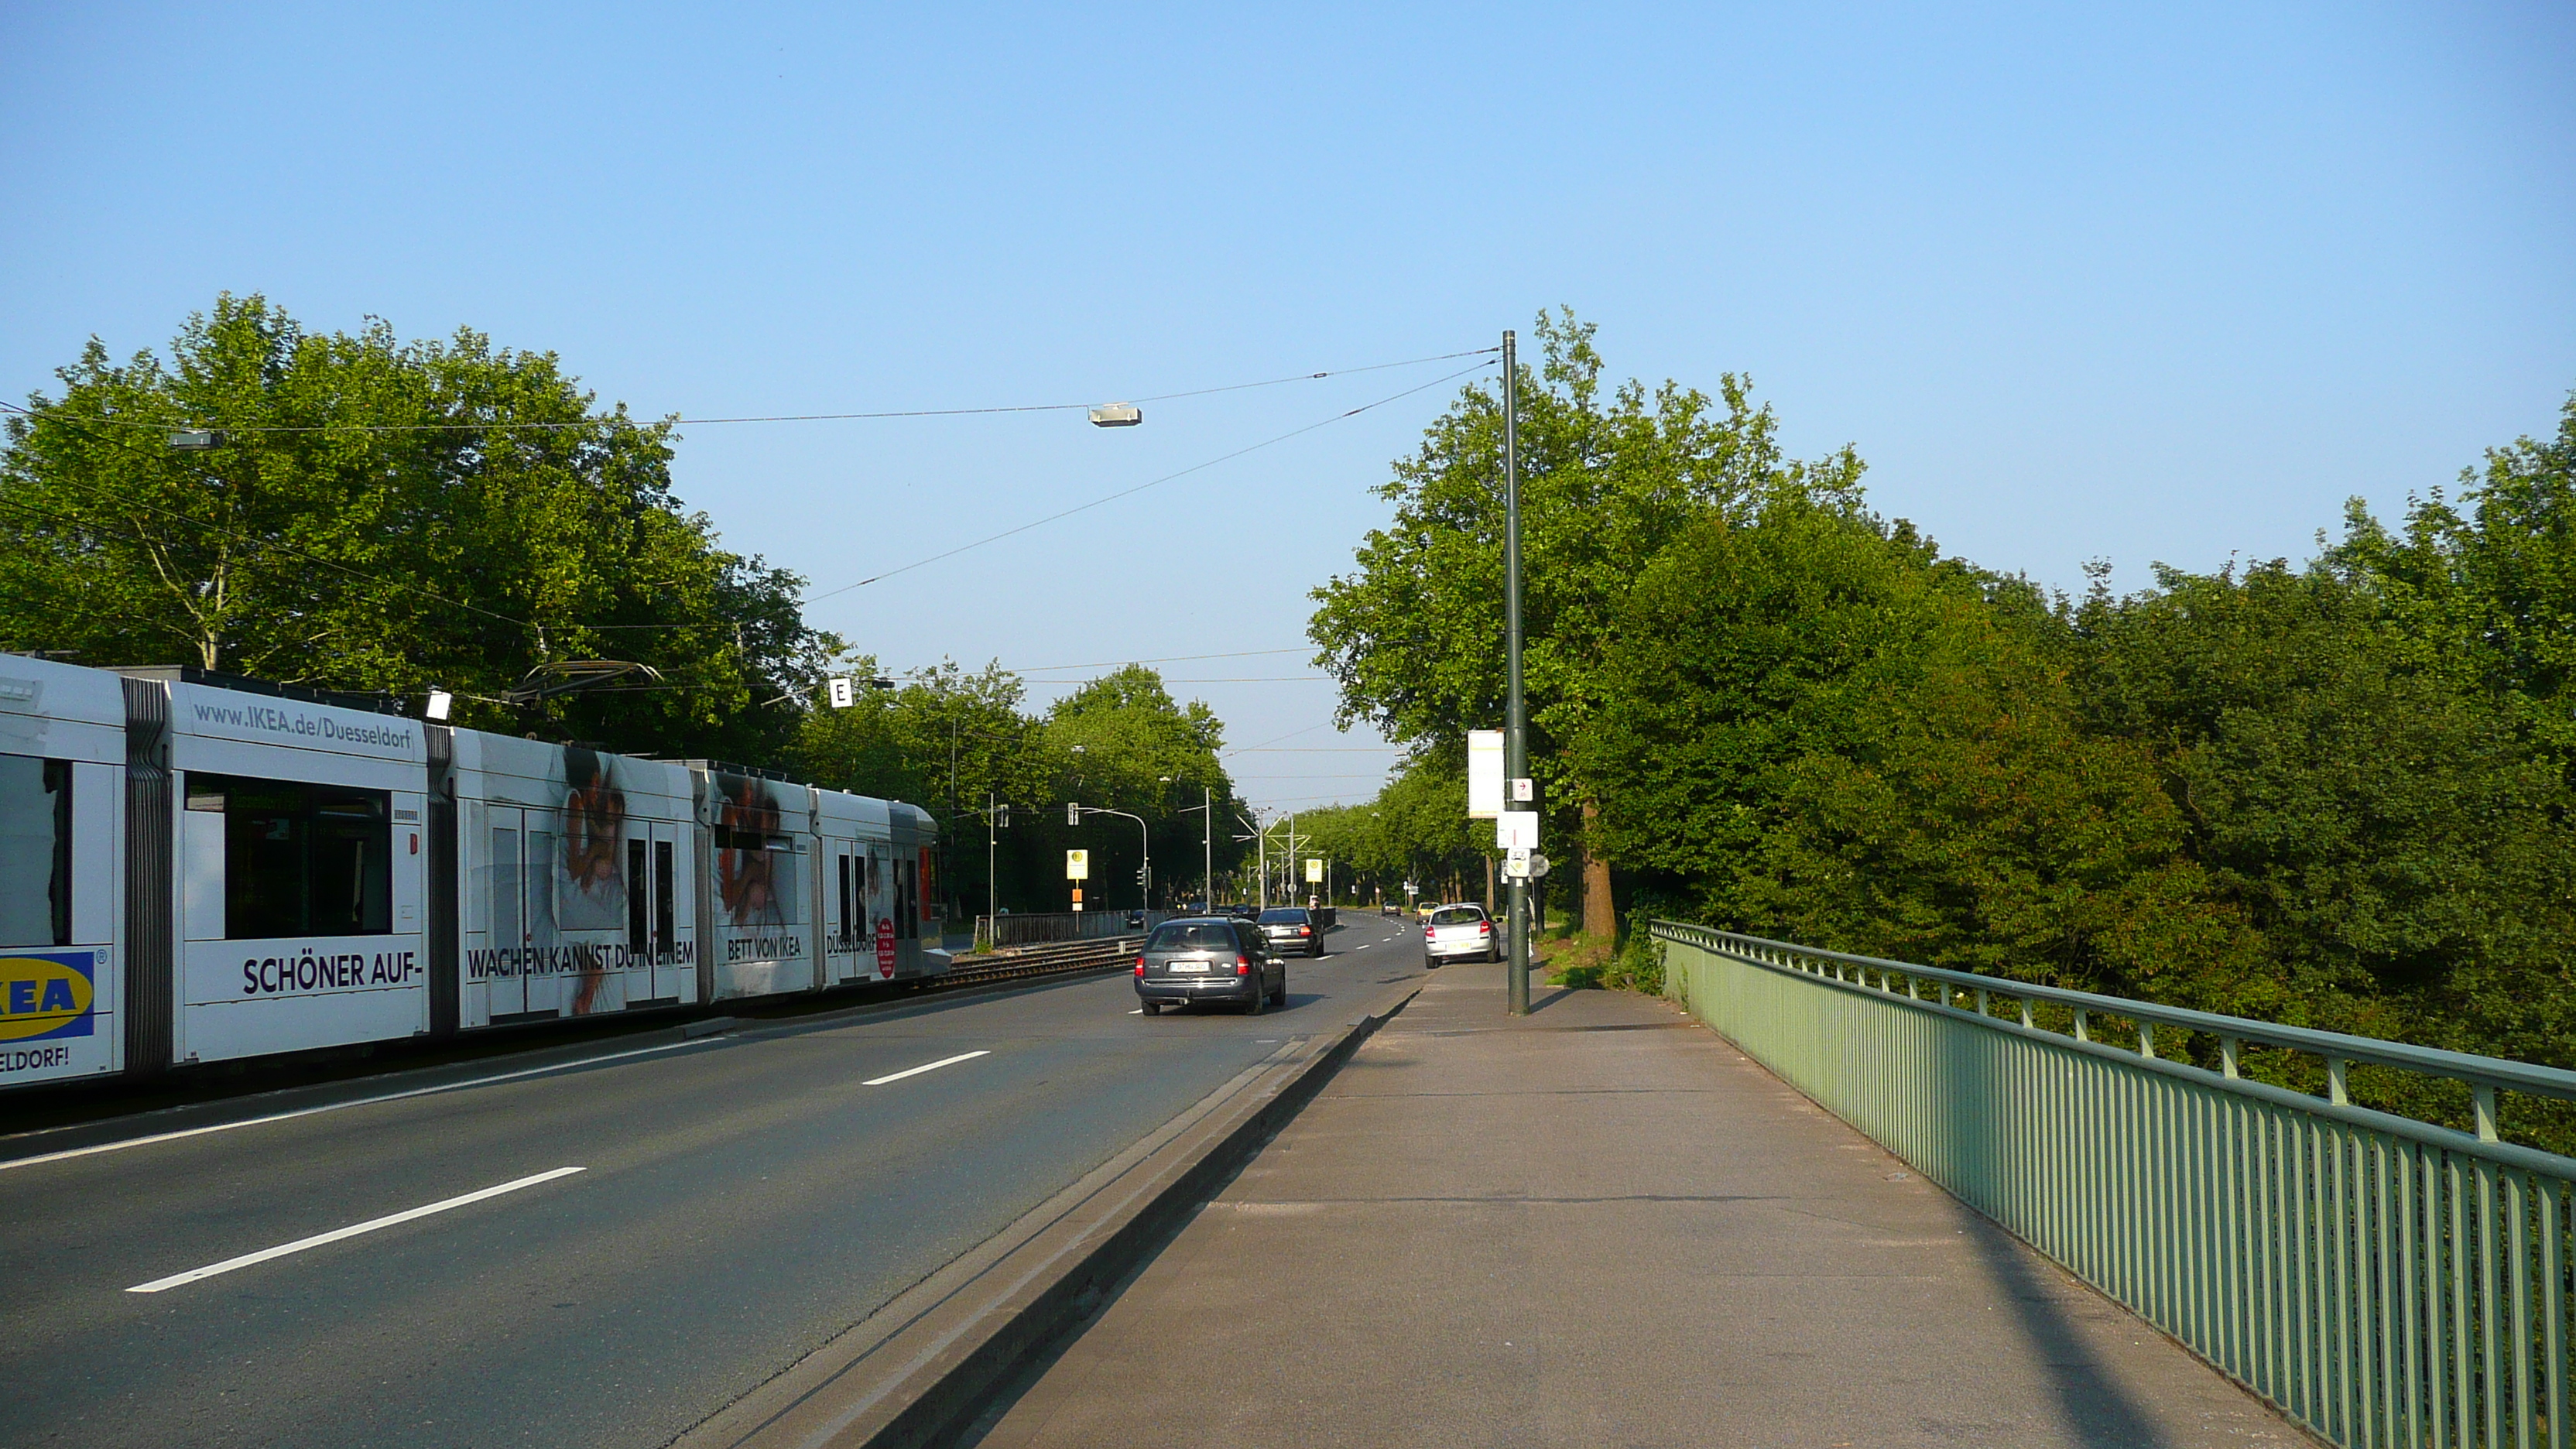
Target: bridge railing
point(2386, 1281)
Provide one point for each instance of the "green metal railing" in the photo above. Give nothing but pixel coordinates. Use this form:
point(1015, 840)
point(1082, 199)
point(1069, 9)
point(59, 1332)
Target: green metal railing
point(2386, 1281)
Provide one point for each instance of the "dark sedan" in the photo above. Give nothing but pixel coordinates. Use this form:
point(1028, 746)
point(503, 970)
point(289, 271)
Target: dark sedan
point(1294, 928)
point(1209, 958)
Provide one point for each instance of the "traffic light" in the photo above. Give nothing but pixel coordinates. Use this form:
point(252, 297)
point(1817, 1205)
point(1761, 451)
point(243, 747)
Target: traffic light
point(1140, 875)
point(1072, 812)
point(1001, 817)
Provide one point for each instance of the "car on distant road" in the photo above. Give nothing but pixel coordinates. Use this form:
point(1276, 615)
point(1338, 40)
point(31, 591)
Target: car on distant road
point(1390, 908)
point(1460, 933)
point(1135, 920)
point(1209, 958)
point(1294, 928)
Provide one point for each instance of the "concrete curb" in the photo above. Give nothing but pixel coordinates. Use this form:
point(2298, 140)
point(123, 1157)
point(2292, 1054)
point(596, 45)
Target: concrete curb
point(917, 1371)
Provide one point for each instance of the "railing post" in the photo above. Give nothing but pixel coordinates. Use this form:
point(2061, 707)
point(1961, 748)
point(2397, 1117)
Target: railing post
point(2335, 1093)
point(2147, 1040)
point(2228, 1049)
point(2026, 1023)
point(1982, 1004)
point(2485, 1107)
point(2083, 1031)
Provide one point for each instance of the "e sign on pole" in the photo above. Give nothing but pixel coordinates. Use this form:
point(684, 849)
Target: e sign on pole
point(1484, 774)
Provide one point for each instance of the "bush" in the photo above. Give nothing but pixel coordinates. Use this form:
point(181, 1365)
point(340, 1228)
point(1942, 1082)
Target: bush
point(1639, 967)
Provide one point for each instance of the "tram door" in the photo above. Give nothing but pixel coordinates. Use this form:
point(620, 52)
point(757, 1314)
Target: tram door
point(653, 913)
point(845, 910)
point(518, 907)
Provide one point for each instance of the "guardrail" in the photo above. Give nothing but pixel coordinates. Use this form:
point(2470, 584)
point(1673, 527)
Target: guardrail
point(2386, 1281)
point(1041, 927)
point(1048, 960)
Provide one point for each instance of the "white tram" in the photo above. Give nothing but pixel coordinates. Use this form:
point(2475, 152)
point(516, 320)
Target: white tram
point(195, 868)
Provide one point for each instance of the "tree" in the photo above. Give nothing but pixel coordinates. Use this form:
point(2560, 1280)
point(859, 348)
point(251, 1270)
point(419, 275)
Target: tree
point(2487, 586)
point(946, 737)
point(1126, 745)
point(1415, 636)
point(381, 516)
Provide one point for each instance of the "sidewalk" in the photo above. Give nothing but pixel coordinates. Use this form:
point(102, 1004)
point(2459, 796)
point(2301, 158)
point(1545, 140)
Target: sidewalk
point(1602, 1225)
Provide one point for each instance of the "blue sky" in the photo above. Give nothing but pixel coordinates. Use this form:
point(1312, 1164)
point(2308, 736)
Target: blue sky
point(2155, 283)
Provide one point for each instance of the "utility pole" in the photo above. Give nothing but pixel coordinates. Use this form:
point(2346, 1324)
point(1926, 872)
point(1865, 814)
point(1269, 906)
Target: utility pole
point(1516, 721)
point(992, 887)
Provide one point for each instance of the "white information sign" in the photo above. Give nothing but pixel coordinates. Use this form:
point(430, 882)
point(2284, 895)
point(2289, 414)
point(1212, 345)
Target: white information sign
point(1314, 872)
point(1484, 774)
point(1077, 865)
point(1516, 830)
point(842, 694)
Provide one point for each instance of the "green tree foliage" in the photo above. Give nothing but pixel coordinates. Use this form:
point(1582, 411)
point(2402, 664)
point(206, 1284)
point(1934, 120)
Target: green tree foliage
point(1415, 635)
point(2338, 795)
point(379, 515)
point(948, 739)
point(1817, 724)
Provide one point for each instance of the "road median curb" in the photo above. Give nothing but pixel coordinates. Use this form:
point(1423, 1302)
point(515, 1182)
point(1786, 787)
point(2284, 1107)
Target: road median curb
point(918, 1370)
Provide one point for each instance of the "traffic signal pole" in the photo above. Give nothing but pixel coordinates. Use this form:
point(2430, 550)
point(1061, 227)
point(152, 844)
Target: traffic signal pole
point(1516, 720)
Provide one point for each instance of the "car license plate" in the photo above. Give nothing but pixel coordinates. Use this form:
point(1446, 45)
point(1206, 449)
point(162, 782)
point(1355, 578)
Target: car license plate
point(1195, 968)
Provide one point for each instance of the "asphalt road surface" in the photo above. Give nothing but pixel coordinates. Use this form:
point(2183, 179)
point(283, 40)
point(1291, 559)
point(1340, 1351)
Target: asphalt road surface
point(642, 1237)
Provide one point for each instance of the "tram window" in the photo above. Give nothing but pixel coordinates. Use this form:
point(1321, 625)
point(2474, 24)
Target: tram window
point(301, 859)
point(665, 920)
point(638, 908)
point(849, 908)
point(35, 851)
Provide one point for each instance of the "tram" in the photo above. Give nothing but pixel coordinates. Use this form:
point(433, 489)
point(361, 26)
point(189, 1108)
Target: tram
point(200, 868)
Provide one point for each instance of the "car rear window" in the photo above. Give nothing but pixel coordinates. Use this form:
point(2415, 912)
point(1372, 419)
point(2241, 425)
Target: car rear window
point(1193, 936)
point(1457, 915)
point(1284, 916)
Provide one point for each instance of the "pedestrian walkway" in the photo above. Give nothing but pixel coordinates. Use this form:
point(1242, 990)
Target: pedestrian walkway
point(1601, 1225)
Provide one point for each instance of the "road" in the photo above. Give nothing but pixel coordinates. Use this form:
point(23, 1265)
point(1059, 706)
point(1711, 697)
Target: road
point(737, 1201)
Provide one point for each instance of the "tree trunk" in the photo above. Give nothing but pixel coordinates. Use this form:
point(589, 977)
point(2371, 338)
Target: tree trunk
point(1489, 885)
point(1600, 916)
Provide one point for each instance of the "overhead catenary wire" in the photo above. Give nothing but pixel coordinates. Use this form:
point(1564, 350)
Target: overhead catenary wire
point(1141, 487)
point(621, 420)
point(1484, 352)
point(1165, 659)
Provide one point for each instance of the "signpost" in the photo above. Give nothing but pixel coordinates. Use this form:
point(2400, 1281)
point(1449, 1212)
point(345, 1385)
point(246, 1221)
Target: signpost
point(1077, 867)
point(1515, 707)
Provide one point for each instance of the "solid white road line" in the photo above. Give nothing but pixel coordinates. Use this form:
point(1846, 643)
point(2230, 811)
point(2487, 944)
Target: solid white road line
point(72, 1152)
point(928, 1067)
point(176, 1280)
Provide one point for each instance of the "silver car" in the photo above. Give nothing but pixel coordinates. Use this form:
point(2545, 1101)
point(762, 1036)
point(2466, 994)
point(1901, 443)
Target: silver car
point(1460, 933)
point(1209, 958)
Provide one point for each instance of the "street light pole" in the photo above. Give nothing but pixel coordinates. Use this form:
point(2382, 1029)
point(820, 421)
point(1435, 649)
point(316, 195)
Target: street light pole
point(1516, 721)
point(1207, 840)
point(1145, 839)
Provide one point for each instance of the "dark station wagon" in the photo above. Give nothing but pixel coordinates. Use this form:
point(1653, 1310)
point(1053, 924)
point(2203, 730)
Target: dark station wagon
point(1209, 958)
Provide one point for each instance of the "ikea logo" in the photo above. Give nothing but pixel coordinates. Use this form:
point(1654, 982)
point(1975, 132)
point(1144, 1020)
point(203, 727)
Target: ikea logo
point(47, 994)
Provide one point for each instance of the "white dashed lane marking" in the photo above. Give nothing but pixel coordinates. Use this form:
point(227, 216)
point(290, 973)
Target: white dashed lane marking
point(925, 1067)
point(246, 1260)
